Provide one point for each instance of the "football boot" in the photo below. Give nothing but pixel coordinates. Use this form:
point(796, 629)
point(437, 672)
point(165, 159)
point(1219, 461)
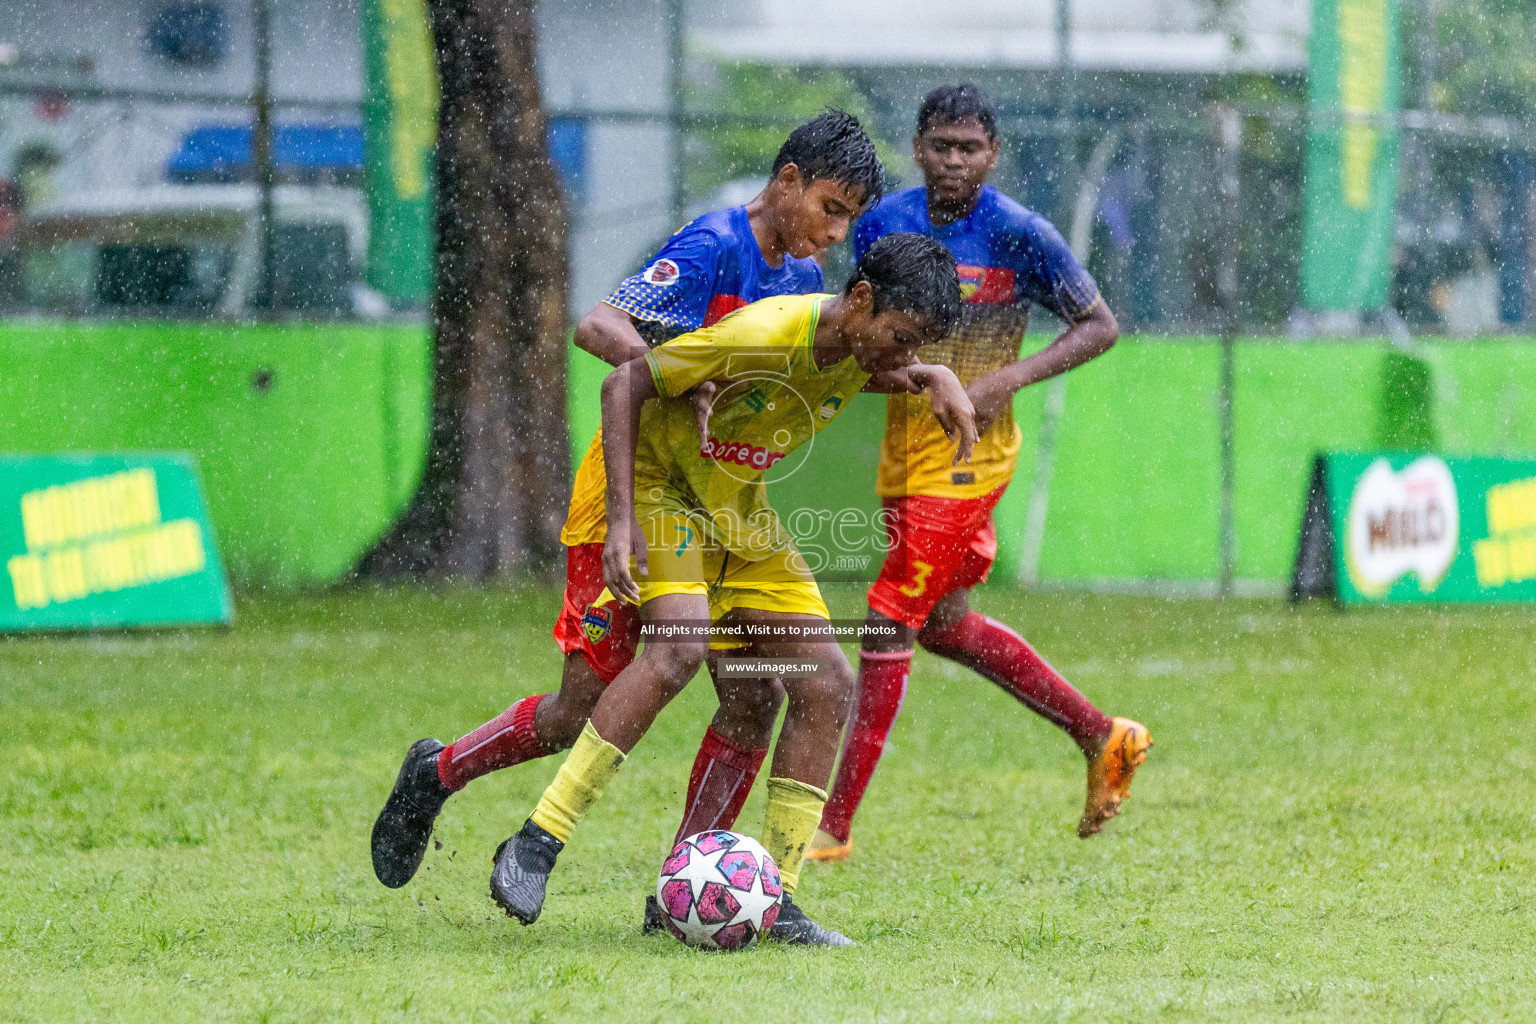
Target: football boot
point(825, 848)
point(523, 864)
point(793, 928)
point(1110, 773)
point(401, 831)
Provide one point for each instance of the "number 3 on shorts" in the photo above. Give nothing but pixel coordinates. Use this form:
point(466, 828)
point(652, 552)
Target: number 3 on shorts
point(919, 580)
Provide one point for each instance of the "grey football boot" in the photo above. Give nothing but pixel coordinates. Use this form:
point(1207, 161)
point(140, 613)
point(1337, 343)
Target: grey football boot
point(793, 928)
point(523, 864)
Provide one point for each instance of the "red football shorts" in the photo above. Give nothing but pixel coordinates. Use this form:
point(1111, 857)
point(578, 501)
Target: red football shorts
point(607, 637)
point(935, 546)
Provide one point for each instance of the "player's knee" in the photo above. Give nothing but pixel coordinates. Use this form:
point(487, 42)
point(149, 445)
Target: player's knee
point(828, 693)
point(675, 663)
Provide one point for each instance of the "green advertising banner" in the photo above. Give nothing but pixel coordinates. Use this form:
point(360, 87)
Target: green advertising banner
point(1353, 89)
point(93, 541)
point(1391, 528)
point(400, 133)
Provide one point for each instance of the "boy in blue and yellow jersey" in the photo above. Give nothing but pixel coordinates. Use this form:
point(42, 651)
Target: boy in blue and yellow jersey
point(939, 522)
point(708, 548)
point(825, 174)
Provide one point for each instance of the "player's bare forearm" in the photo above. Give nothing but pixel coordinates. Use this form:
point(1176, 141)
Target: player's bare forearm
point(608, 333)
point(892, 382)
point(624, 394)
point(951, 405)
point(1085, 340)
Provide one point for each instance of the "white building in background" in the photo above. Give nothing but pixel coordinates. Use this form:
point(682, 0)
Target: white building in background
point(605, 70)
point(1171, 36)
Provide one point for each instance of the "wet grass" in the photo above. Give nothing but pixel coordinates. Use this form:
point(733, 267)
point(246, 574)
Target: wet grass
point(1337, 824)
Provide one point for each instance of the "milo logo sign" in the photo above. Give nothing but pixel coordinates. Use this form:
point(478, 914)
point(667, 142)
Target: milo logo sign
point(1401, 522)
point(1393, 527)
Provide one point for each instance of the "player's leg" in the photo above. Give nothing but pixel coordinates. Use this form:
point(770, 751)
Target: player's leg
point(732, 751)
point(598, 641)
point(627, 708)
point(927, 540)
point(885, 662)
point(1114, 747)
point(816, 708)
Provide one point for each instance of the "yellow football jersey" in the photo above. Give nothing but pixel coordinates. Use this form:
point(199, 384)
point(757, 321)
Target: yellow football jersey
point(773, 399)
point(915, 456)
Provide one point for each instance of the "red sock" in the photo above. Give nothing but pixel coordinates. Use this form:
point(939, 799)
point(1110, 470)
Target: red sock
point(882, 685)
point(722, 777)
point(504, 741)
point(998, 653)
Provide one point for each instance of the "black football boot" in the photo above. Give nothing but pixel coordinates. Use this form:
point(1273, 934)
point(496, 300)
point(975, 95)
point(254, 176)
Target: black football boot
point(653, 924)
point(793, 928)
point(523, 864)
point(401, 831)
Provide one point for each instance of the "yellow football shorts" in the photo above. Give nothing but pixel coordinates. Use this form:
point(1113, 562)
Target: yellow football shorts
point(680, 561)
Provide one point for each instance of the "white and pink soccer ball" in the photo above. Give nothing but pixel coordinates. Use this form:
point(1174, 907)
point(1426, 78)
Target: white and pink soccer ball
point(719, 890)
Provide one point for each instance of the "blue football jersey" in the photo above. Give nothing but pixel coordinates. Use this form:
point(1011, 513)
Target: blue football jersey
point(1007, 257)
point(708, 269)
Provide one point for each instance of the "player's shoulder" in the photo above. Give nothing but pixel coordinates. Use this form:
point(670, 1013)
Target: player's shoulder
point(1010, 221)
point(906, 210)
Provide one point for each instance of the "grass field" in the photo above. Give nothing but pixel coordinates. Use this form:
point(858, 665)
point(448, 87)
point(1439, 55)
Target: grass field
point(1336, 824)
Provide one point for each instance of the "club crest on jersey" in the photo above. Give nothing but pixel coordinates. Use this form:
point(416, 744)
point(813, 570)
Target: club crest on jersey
point(595, 623)
point(661, 273)
point(829, 407)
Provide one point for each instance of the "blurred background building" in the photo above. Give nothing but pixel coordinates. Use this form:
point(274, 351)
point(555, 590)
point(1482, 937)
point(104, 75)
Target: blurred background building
point(130, 96)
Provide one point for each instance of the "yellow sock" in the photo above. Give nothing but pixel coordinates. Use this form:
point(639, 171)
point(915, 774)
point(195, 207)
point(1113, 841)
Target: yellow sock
point(794, 811)
point(588, 768)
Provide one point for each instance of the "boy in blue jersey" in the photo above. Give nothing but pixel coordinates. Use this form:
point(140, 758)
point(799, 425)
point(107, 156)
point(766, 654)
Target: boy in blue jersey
point(939, 524)
point(825, 174)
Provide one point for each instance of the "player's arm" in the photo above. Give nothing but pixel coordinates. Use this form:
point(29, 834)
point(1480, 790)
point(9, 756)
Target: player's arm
point(624, 393)
point(1086, 339)
point(952, 406)
point(610, 334)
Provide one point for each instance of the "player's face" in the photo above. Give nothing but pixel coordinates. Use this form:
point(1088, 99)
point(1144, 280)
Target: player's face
point(955, 159)
point(819, 214)
point(891, 340)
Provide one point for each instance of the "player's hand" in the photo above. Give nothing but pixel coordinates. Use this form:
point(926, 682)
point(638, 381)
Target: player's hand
point(951, 407)
point(703, 399)
point(624, 540)
point(991, 396)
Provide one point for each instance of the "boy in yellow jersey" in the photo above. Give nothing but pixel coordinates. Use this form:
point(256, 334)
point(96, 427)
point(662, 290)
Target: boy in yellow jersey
point(940, 517)
point(708, 547)
point(824, 175)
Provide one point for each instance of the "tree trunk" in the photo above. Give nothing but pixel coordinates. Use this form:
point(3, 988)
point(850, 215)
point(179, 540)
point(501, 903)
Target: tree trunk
point(497, 478)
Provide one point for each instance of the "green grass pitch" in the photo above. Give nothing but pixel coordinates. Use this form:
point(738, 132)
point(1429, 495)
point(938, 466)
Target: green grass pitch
point(1336, 824)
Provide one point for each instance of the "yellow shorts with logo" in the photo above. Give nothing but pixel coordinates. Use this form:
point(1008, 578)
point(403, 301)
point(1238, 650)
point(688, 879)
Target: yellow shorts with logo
point(680, 562)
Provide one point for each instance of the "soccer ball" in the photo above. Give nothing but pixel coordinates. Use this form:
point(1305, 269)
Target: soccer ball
point(719, 890)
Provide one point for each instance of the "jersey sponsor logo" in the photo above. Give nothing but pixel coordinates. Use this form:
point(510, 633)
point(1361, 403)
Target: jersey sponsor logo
point(720, 307)
point(961, 479)
point(829, 407)
point(985, 284)
point(661, 273)
point(740, 454)
point(596, 623)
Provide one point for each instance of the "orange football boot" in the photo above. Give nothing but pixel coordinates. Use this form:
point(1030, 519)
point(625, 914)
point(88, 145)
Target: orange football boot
point(825, 848)
point(1110, 773)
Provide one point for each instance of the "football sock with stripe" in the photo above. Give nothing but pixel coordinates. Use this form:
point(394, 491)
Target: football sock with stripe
point(722, 777)
point(882, 685)
point(794, 808)
point(504, 741)
point(997, 653)
point(588, 768)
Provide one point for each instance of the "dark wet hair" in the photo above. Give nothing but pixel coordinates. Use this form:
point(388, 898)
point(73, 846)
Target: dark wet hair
point(950, 104)
point(833, 145)
point(914, 274)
